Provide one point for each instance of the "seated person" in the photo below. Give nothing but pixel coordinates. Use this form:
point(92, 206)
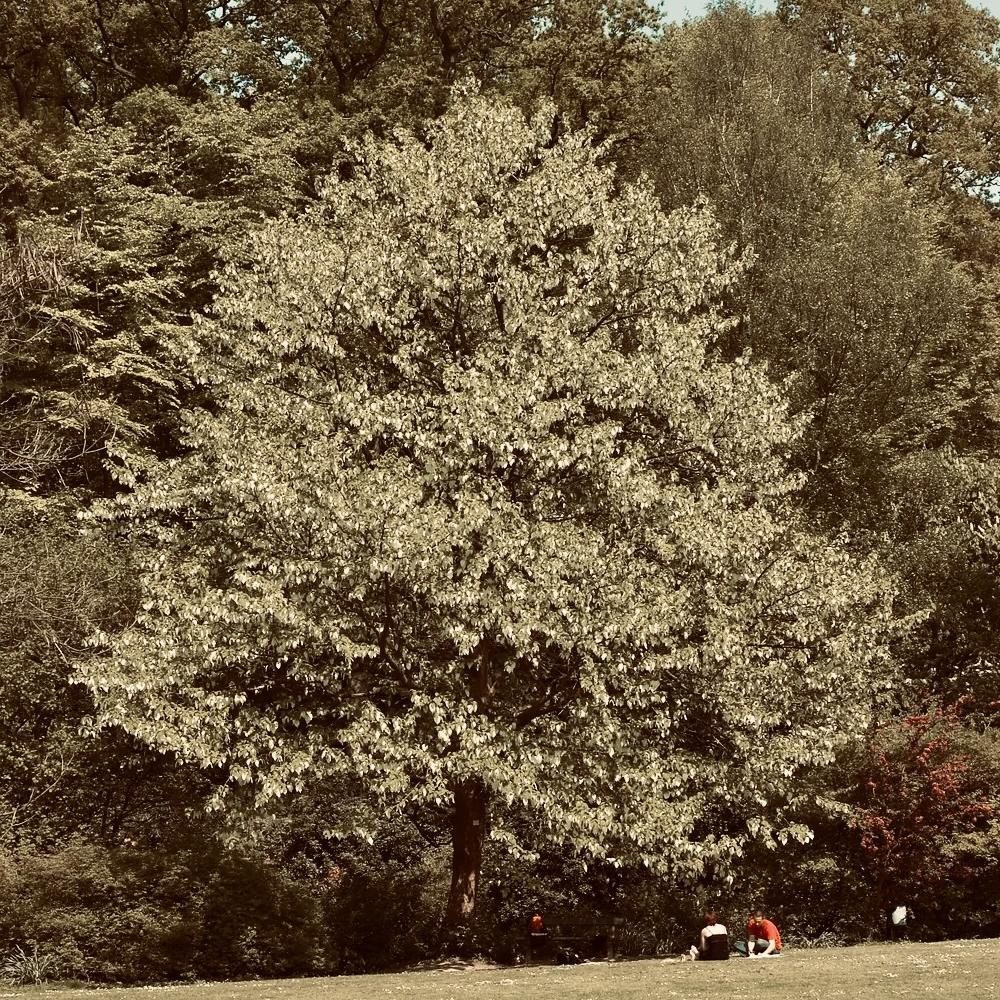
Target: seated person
point(763, 939)
point(538, 936)
point(713, 945)
point(899, 917)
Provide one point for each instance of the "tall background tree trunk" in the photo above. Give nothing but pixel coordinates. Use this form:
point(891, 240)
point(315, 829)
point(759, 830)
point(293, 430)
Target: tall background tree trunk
point(468, 832)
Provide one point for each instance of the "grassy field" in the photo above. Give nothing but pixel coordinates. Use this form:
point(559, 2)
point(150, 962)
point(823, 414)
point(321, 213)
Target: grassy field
point(954, 970)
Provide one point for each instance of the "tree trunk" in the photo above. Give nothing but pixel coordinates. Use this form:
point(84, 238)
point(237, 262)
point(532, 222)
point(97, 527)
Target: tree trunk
point(467, 834)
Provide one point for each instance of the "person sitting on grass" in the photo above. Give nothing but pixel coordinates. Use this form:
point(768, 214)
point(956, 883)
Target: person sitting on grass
point(763, 939)
point(713, 945)
point(898, 920)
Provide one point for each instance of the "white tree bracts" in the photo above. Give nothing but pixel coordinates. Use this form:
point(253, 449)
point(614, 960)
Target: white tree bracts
point(480, 518)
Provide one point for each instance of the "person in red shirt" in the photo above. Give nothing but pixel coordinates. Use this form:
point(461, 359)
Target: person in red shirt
point(538, 937)
point(763, 937)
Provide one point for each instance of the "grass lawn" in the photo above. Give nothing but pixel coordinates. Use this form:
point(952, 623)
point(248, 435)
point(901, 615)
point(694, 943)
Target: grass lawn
point(953, 970)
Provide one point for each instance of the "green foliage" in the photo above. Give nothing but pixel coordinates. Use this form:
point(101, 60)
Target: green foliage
point(381, 889)
point(128, 916)
point(136, 210)
point(46, 424)
point(875, 315)
point(941, 508)
point(410, 883)
point(64, 58)
point(58, 586)
point(923, 81)
point(852, 291)
point(926, 77)
point(394, 61)
point(585, 57)
point(738, 109)
point(819, 893)
point(551, 881)
point(27, 968)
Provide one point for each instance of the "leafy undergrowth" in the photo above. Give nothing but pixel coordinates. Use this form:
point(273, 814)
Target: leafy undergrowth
point(951, 970)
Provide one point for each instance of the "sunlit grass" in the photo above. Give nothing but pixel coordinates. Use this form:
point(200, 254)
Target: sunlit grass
point(952, 970)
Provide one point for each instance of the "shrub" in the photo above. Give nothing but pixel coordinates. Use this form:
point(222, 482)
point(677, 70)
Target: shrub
point(383, 901)
point(103, 915)
point(927, 818)
point(22, 967)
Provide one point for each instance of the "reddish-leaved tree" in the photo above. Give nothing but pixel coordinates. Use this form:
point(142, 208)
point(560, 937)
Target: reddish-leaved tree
point(927, 801)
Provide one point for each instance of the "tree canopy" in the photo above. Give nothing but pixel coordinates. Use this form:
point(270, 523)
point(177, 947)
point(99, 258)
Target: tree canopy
point(479, 514)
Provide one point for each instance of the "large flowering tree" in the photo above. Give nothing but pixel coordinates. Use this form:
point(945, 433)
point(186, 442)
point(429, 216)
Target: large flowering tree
point(477, 517)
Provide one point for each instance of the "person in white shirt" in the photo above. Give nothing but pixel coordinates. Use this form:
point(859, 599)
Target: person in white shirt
point(713, 945)
point(899, 918)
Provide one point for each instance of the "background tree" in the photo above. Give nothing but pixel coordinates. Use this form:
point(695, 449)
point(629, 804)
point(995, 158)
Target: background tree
point(480, 519)
point(861, 290)
point(852, 289)
point(926, 79)
point(924, 84)
point(949, 523)
point(62, 59)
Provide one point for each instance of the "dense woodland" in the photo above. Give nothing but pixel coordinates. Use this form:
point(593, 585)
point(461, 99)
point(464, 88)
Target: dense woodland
point(464, 457)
